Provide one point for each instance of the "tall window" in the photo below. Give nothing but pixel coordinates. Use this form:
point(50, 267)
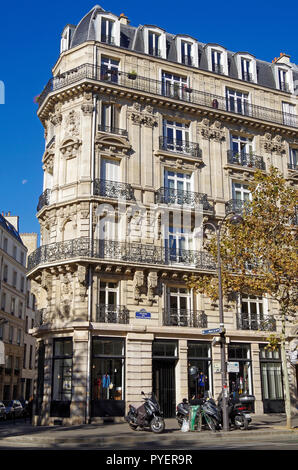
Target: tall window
point(252, 313)
point(153, 43)
point(237, 102)
point(241, 192)
point(109, 69)
point(246, 71)
point(62, 369)
point(108, 302)
point(107, 30)
point(178, 306)
point(173, 85)
point(283, 80)
point(199, 356)
point(216, 61)
point(293, 163)
point(241, 381)
point(241, 150)
point(109, 117)
point(271, 377)
point(289, 114)
point(176, 136)
point(186, 56)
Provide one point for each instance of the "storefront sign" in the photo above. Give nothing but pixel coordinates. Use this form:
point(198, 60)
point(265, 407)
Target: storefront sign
point(233, 367)
point(143, 313)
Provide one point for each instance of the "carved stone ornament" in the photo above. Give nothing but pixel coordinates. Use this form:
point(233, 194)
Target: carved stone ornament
point(72, 123)
point(273, 144)
point(82, 281)
point(87, 108)
point(143, 115)
point(152, 282)
point(138, 284)
point(211, 130)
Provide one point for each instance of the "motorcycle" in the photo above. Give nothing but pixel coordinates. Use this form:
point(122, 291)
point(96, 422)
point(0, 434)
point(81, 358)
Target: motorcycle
point(146, 415)
point(239, 415)
point(209, 413)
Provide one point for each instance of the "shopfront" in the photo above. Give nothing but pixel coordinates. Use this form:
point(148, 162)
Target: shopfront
point(199, 369)
point(107, 375)
point(271, 378)
point(164, 360)
point(240, 368)
point(61, 377)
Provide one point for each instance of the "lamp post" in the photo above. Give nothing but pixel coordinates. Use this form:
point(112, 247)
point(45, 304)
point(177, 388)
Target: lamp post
point(235, 220)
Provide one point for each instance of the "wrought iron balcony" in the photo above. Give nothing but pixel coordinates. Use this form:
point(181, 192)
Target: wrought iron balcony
point(237, 206)
point(184, 317)
point(154, 51)
point(177, 196)
point(113, 190)
point(112, 314)
point(187, 60)
point(119, 251)
point(180, 146)
point(246, 159)
point(247, 76)
point(158, 87)
point(112, 130)
point(284, 87)
point(44, 199)
point(244, 322)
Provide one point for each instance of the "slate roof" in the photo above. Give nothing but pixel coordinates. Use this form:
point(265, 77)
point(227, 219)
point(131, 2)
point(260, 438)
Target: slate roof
point(8, 227)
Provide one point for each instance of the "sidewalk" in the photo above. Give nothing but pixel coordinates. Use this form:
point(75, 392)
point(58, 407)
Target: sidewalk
point(120, 436)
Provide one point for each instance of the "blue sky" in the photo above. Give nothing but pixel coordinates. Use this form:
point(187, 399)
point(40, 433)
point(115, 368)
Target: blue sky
point(29, 46)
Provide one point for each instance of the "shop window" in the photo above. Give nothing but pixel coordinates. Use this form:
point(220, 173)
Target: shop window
point(271, 379)
point(62, 377)
point(241, 381)
point(199, 369)
point(164, 349)
point(108, 377)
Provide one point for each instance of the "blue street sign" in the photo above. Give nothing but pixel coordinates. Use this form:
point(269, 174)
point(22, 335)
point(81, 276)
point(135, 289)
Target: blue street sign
point(212, 331)
point(143, 314)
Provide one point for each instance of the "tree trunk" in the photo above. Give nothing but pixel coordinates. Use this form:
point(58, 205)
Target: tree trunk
point(285, 373)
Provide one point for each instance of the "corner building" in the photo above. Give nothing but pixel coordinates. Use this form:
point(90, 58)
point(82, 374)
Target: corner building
point(139, 120)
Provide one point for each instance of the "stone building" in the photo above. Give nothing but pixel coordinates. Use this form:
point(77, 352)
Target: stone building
point(140, 124)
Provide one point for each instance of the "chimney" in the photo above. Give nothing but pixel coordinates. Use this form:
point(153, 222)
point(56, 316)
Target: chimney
point(124, 19)
point(282, 59)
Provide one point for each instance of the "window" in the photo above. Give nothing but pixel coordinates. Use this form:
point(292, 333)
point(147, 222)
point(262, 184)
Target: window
point(252, 313)
point(283, 80)
point(289, 114)
point(108, 302)
point(109, 69)
point(186, 53)
point(216, 61)
point(173, 85)
point(14, 279)
point(66, 371)
point(271, 378)
point(241, 151)
point(5, 273)
point(22, 284)
point(109, 117)
point(176, 184)
point(109, 170)
point(22, 258)
point(178, 309)
point(12, 305)
point(15, 252)
point(164, 349)
point(20, 309)
point(240, 382)
point(153, 44)
point(5, 242)
point(1, 332)
point(176, 136)
point(107, 31)
point(246, 71)
point(241, 192)
point(237, 102)
point(178, 242)
point(10, 337)
point(19, 337)
point(25, 356)
point(199, 357)
point(108, 375)
point(293, 163)
point(62, 369)
point(3, 301)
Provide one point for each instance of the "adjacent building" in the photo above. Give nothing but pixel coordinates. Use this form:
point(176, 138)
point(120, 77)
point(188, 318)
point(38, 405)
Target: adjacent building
point(147, 134)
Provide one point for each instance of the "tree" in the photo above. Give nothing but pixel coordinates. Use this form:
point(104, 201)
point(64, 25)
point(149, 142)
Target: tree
point(259, 256)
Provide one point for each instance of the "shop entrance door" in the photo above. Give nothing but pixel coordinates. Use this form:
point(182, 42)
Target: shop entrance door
point(164, 385)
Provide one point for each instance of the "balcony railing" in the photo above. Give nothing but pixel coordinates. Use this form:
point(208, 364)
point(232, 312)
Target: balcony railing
point(154, 51)
point(113, 190)
point(177, 196)
point(237, 206)
point(184, 317)
point(180, 146)
point(119, 251)
point(187, 60)
point(158, 87)
point(112, 130)
point(44, 199)
point(246, 159)
point(217, 68)
point(284, 87)
point(112, 314)
point(247, 76)
point(244, 322)
point(108, 39)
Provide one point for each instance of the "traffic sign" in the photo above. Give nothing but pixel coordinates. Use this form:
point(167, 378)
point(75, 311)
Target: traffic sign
point(212, 331)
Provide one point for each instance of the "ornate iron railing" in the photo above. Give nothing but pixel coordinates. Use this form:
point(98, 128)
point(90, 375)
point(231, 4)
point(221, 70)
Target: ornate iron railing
point(180, 146)
point(244, 322)
point(177, 196)
point(119, 251)
point(184, 317)
point(44, 199)
point(246, 159)
point(159, 87)
point(113, 190)
point(112, 314)
point(237, 206)
point(112, 130)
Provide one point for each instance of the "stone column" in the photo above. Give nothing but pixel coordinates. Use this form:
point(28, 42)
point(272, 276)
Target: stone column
point(181, 372)
point(48, 362)
point(138, 366)
point(256, 378)
point(79, 376)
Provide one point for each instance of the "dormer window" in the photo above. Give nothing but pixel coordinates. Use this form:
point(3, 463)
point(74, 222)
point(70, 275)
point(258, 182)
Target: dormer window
point(246, 66)
point(217, 59)
point(187, 51)
point(283, 80)
point(154, 40)
point(186, 57)
point(66, 38)
point(107, 30)
point(246, 70)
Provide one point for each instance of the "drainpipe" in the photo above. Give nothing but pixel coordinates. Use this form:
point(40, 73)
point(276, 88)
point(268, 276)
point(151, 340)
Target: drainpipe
point(90, 271)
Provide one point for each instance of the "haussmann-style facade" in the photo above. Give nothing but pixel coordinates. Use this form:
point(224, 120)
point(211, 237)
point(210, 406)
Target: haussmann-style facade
point(139, 122)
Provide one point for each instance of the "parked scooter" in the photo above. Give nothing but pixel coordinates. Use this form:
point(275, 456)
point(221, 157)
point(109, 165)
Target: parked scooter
point(210, 414)
point(239, 414)
point(146, 415)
